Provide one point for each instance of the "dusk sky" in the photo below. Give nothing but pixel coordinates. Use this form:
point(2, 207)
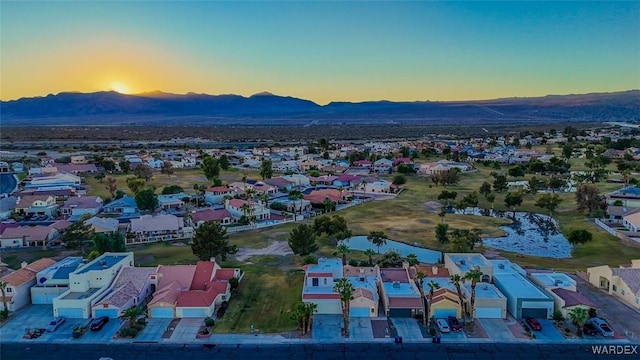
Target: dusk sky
point(322, 51)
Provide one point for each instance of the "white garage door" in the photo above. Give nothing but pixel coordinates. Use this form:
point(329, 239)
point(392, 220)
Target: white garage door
point(43, 298)
point(72, 313)
point(110, 313)
point(443, 313)
point(162, 312)
point(329, 308)
point(489, 313)
point(193, 313)
point(359, 312)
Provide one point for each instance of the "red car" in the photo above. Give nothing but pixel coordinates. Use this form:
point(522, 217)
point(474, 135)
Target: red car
point(534, 324)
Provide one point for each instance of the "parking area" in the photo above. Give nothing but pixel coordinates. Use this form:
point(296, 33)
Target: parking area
point(496, 329)
point(326, 328)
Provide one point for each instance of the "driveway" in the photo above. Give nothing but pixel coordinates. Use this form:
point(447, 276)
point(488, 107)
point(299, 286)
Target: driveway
point(496, 329)
point(549, 332)
point(186, 330)
point(154, 329)
point(32, 316)
point(624, 320)
point(408, 329)
point(360, 329)
point(326, 328)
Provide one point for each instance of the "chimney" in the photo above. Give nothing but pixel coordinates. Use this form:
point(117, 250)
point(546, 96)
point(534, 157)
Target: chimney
point(405, 265)
point(434, 270)
point(23, 264)
point(212, 259)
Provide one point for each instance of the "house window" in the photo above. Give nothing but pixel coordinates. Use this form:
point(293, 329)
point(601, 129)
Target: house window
point(372, 310)
point(615, 288)
point(622, 292)
point(224, 297)
point(9, 290)
point(637, 300)
point(325, 281)
point(314, 282)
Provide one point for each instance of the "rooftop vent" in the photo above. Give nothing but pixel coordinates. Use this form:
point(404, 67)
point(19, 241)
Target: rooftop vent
point(461, 262)
point(396, 284)
point(500, 266)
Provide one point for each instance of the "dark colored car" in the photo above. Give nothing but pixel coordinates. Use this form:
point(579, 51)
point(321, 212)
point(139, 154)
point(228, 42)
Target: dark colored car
point(534, 324)
point(589, 329)
point(98, 323)
point(454, 323)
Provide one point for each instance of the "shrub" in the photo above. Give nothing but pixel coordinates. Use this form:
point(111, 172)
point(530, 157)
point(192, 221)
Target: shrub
point(142, 321)
point(399, 180)
point(138, 327)
point(133, 332)
point(278, 206)
point(124, 332)
point(432, 331)
point(309, 259)
point(209, 322)
point(354, 262)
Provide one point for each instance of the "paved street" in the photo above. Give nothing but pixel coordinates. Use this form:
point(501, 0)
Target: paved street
point(621, 317)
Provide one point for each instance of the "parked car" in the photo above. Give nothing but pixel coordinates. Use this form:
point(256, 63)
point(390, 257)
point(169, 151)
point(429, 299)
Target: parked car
point(443, 326)
point(98, 323)
point(533, 323)
point(55, 324)
point(602, 326)
point(589, 329)
point(454, 324)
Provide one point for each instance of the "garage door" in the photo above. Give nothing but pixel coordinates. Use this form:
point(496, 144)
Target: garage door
point(400, 312)
point(489, 313)
point(43, 298)
point(111, 313)
point(329, 308)
point(162, 312)
point(443, 313)
point(73, 313)
point(359, 312)
point(193, 313)
point(534, 313)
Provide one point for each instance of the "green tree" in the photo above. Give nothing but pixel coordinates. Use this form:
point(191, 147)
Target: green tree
point(457, 282)
point(491, 198)
point(303, 315)
point(328, 205)
point(345, 289)
point(108, 242)
point(172, 189)
point(377, 238)
point(302, 240)
point(465, 240)
point(485, 189)
point(343, 249)
point(513, 200)
point(146, 200)
point(111, 186)
point(125, 166)
point(474, 276)
point(588, 197)
point(224, 162)
point(391, 258)
point(567, 150)
point(548, 202)
point(143, 171)
point(167, 168)
point(76, 235)
point(132, 314)
point(442, 233)
point(135, 184)
point(211, 167)
point(447, 195)
point(266, 169)
point(412, 259)
point(370, 253)
point(296, 195)
point(516, 171)
point(579, 236)
point(211, 241)
point(399, 180)
point(433, 286)
point(100, 176)
point(500, 183)
point(471, 200)
point(579, 316)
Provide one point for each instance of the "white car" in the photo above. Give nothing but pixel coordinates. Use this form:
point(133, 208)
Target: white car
point(443, 325)
point(602, 326)
point(55, 324)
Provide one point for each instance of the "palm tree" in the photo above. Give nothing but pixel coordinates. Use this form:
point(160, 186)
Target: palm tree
point(370, 253)
point(457, 281)
point(579, 315)
point(345, 289)
point(132, 314)
point(328, 205)
point(433, 286)
point(412, 259)
point(473, 275)
point(377, 238)
point(363, 185)
point(3, 286)
point(343, 249)
point(265, 199)
point(296, 195)
point(250, 193)
point(418, 278)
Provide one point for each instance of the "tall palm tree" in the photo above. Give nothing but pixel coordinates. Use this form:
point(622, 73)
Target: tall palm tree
point(345, 289)
point(265, 199)
point(370, 253)
point(579, 315)
point(132, 314)
point(377, 238)
point(296, 195)
point(363, 185)
point(457, 281)
point(418, 278)
point(433, 286)
point(343, 249)
point(328, 205)
point(473, 275)
point(412, 259)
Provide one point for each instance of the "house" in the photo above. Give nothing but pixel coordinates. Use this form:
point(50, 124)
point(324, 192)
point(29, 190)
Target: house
point(562, 288)
point(524, 299)
point(378, 186)
point(7, 207)
point(77, 169)
point(61, 194)
point(461, 263)
point(81, 205)
point(286, 166)
point(36, 204)
point(263, 188)
point(490, 303)
point(628, 197)
point(297, 179)
point(622, 282)
point(4, 167)
point(347, 181)
point(362, 163)
point(102, 225)
point(89, 283)
point(317, 287)
point(322, 180)
point(22, 236)
point(382, 166)
point(445, 302)
point(566, 300)
point(334, 169)
point(191, 291)
point(78, 159)
point(148, 228)
point(365, 297)
point(306, 165)
point(399, 294)
point(237, 208)
point(216, 194)
point(432, 168)
point(54, 280)
point(56, 180)
point(334, 195)
point(171, 201)
point(279, 183)
point(632, 221)
point(19, 283)
point(155, 164)
point(132, 287)
point(617, 213)
point(125, 207)
point(221, 216)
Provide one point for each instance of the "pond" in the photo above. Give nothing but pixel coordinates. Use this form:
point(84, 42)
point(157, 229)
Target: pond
point(8, 183)
point(531, 234)
point(424, 255)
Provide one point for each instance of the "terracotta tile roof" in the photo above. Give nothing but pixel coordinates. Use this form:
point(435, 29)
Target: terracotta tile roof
point(572, 298)
point(210, 215)
point(428, 272)
point(202, 275)
point(390, 275)
point(308, 296)
point(28, 273)
point(202, 298)
point(221, 189)
point(405, 303)
point(349, 270)
point(362, 292)
point(33, 233)
point(225, 274)
point(237, 203)
point(631, 277)
point(443, 294)
point(26, 200)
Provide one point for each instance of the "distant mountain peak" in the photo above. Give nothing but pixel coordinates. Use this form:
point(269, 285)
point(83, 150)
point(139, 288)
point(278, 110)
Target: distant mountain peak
point(264, 93)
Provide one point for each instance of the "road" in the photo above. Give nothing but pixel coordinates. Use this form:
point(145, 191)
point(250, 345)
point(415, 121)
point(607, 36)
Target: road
point(350, 351)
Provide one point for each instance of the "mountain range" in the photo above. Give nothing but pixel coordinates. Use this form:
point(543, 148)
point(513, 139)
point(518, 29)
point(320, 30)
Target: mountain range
point(112, 108)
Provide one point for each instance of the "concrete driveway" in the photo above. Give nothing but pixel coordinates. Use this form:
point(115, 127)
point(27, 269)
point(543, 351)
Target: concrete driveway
point(186, 330)
point(549, 332)
point(360, 329)
point(105, 334)
point(496, 329)
point(154, 330)
point(623, 319)
point(408, 329)
point(32, 316)
point(326, 328)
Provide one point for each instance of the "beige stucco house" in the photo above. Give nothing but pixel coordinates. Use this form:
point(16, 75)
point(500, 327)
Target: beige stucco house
point(622, 282)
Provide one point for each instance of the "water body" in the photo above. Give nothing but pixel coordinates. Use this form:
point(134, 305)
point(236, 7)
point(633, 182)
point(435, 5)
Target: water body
point(8, 183)
point(424, 255)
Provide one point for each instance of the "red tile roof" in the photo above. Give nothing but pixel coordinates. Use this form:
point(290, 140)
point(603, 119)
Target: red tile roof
point(28, 273)
point(362, 292)
point(203, 275)
point(210, 215)
point(390, 275)
point(320, 296)
point(428, 272)
point(572, 298)
point(224, 274)
point(202, 298)
point(237, 203)
point(221, 189)
point(405, 303)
